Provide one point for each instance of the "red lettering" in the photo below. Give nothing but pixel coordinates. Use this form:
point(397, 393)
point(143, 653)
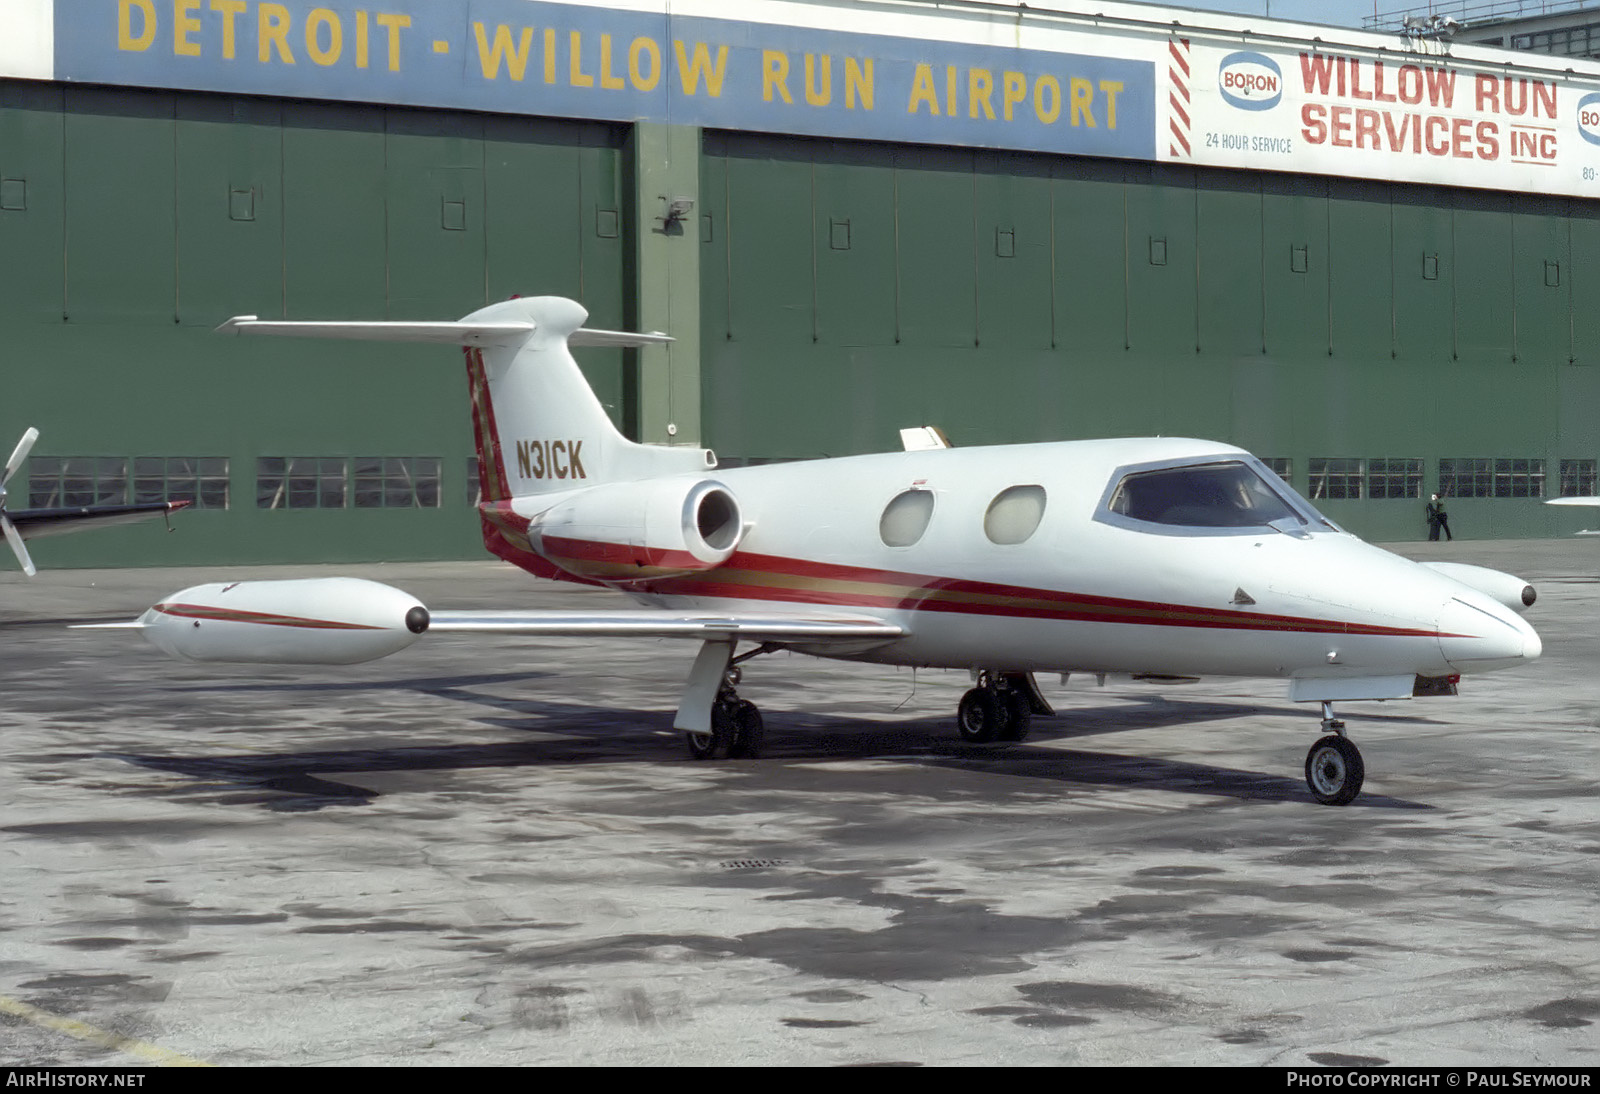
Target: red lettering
point(1316, 70)
point(1366, 126)
point(1397, 137)
point(1340, 125)
point(1433, 125)
point(1460, 134)
point(1410, 84)
point(1441, 87)
point(1314, 129)
point(1489, 141)
point(1544, 99)
point(1377, 84)
point(1355, 81)
point(1488, 88)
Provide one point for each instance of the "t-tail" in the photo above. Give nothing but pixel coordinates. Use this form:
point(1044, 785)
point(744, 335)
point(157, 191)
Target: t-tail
point(554, 472)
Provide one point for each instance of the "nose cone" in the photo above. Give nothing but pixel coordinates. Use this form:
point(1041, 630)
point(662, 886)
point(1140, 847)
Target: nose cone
point(1477, 634)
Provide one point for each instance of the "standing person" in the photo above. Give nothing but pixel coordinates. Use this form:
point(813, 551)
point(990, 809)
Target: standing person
point(1438, 519)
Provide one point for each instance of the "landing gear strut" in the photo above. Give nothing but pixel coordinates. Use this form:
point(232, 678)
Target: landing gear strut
point(1334, 769)
point(737, 731)
point(1000, 708)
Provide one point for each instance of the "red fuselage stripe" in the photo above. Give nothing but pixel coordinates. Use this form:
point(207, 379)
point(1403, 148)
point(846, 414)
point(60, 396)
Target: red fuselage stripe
point(224, 615)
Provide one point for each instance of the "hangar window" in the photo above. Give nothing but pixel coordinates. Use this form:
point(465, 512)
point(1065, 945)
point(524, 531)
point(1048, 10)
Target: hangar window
point(1337, 479)
point(1281, 466)
point(301, 482)
point(1578, 478)
point(200, 480)
point(906, 517)
point(61, 481)
point(395, 482)
point(1519, 478)
point(1388, 477)
point(1481, 477)
point(1209, 495)
point(1014, 514)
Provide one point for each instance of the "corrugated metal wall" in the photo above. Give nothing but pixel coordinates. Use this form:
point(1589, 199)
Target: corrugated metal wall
point(850, 289)
point(132, 222)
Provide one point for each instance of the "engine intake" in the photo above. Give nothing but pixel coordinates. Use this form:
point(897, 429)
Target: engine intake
point(636, 531)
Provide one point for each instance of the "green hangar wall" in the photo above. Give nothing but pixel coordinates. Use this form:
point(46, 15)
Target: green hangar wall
point(1375, 340)
point(849, 290)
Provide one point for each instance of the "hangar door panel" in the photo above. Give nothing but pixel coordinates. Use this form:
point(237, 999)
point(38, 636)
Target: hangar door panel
point(229, 209)
point(31, 210)
point(119, 208)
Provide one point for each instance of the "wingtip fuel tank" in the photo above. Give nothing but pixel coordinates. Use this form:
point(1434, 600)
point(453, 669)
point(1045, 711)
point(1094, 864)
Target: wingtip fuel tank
point(312, 621)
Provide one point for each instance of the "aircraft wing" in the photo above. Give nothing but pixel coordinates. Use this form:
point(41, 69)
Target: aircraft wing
point(809, 629)
point(1574, 501)
point(33, 523)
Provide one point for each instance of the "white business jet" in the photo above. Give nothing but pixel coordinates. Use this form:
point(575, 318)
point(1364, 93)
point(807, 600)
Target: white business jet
point(1158, 556)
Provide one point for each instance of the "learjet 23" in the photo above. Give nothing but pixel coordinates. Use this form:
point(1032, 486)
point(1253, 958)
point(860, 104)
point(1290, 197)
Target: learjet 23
point(1161, 556)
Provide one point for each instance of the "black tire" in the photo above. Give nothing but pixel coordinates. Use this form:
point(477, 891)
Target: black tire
point(717, 744)
point(1019, 716)
point(749, 732)
point(1334, 770)
point(982, 716)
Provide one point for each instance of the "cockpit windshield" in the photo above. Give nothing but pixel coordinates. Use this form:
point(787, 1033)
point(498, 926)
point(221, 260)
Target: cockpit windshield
point(1211, 495)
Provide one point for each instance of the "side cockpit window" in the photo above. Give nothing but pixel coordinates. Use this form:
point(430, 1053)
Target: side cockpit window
point(1210, 495)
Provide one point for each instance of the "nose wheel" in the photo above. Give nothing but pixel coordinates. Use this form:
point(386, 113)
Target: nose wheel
point(1334, 768)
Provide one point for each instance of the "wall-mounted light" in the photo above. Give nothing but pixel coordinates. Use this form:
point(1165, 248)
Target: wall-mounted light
point(678, 210)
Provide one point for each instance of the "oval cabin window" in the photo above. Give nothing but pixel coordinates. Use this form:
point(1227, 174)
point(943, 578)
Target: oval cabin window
point(1014, 514)
point(906, 517)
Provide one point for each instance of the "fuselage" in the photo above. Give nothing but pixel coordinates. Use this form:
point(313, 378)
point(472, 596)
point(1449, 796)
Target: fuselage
point(1049, 557)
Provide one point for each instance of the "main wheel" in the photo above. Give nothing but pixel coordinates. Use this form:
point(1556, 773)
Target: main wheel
point(982, 716)
point(748, 732)
point(1019, 716)
point(720, 741)
point(1334, 770)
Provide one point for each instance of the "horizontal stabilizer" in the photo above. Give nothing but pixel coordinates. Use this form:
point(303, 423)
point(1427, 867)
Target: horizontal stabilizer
point(773, 627)
point(441, 333)
point(1574, 501)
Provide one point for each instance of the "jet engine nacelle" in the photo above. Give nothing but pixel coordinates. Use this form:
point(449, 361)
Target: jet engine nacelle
point(318, 621)
point(627, 531)
point(1508, 589)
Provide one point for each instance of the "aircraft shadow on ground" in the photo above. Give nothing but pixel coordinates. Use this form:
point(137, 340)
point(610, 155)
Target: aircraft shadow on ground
point(583, 735)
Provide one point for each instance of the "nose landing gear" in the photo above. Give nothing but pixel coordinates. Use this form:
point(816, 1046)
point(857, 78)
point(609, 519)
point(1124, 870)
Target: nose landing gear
point(1334, 768)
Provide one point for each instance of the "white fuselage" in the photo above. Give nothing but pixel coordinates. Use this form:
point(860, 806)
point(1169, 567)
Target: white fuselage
point(1087, 590)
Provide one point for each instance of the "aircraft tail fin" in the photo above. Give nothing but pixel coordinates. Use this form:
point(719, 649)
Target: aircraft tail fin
point(538, 426)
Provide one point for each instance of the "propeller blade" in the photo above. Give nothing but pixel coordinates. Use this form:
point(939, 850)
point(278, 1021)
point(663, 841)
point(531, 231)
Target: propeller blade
point(20, 453)
point(14, 540)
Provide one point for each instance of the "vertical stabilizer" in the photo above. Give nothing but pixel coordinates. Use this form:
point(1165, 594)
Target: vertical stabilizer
point(538, 426)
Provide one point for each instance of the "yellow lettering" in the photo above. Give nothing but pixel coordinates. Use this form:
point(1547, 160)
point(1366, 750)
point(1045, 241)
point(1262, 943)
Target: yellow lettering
point(857, 81)
point(126, 39)
point(922, 91)
point(774, 74)
point(228, 9)
point(549, 56)
point(272, 29)
point(980, 85)
point(362, 43)
point(1047, 87)
point(579, 78)
point(608, 79)
point(394, 24)
point(950, 73)
point(1082, 94)
point(644, 49)
point(1014, 89)
point(823, 94)
point(182, 25)
point(1111, 88)
point(692, 67)
point(515, 56)
point(322, 17)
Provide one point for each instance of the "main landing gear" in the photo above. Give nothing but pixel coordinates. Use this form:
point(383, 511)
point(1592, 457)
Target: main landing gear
point(1334, 770)
point(1000, 708)
point(737, 731)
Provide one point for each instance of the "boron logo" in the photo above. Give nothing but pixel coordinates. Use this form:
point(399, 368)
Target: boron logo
point(1589, 117)
point(1250, 81)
